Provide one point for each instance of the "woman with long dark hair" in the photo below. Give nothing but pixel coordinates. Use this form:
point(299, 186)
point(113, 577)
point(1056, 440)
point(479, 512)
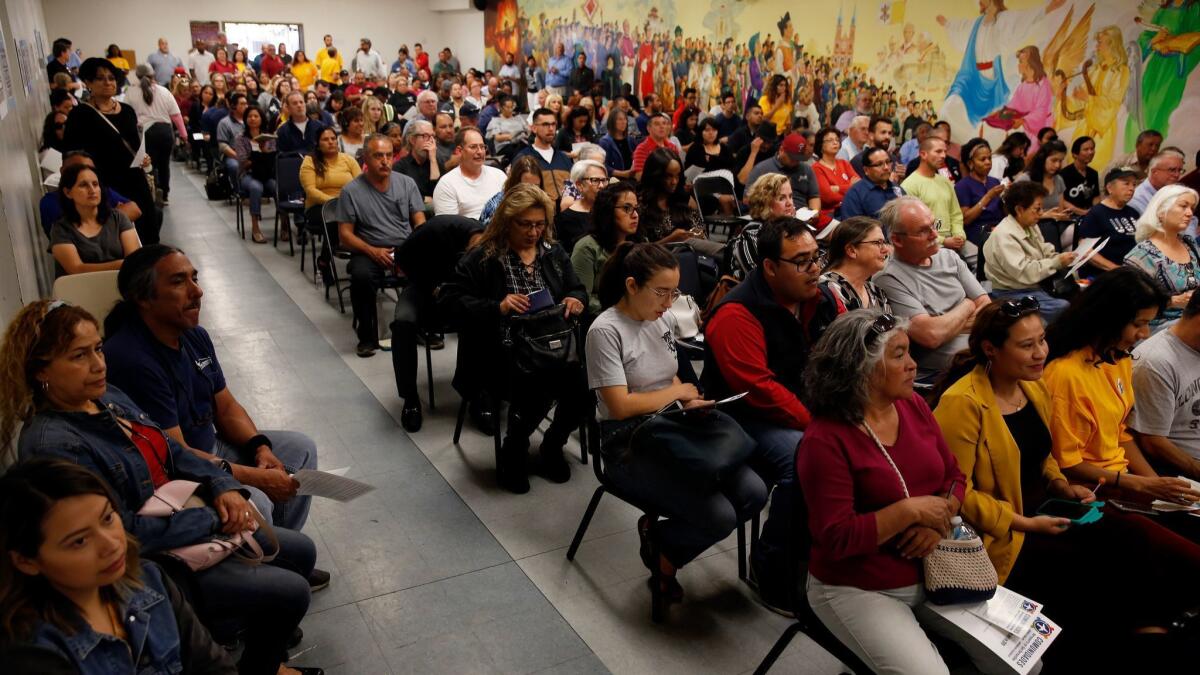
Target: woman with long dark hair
point(1056, 220)
point(90, 237)
point(776, 103)
point(1009, 158)
point(617, 145)
point(323, 174)
point(666, 215)
point(614, 219)
point(72, 574)
point(576, 129)
point(995, 416)
point(157, 112)
point(256, 166)
point(108, 131)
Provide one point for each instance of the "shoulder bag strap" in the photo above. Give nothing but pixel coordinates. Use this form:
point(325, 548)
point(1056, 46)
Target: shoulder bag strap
point(132, 152)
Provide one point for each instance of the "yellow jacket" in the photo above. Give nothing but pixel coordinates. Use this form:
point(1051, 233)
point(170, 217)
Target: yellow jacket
point(976, 433)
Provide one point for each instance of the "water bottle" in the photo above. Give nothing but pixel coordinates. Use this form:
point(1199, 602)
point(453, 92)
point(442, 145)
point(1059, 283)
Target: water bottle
point(960, 530)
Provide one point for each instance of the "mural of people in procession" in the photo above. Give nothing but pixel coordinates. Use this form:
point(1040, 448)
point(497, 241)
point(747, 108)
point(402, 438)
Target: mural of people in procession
point(1102, 68)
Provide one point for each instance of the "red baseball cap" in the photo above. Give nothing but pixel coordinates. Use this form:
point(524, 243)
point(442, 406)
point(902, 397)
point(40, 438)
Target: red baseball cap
point(793, 145)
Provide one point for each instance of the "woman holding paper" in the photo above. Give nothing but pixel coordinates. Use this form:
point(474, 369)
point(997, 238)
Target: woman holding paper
point(996, 418)
point(1016, 258)
point(633, 368)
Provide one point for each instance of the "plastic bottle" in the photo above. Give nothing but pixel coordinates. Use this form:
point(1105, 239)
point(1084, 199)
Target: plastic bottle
point(960, 530)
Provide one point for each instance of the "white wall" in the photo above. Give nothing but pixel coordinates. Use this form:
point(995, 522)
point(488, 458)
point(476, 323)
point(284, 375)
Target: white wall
point(137, 24)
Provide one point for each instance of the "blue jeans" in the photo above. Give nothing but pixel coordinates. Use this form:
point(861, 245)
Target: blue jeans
point(296, 451)
point(1052, 307)
point(268, 601)
point(775, 461)
point(254, 189)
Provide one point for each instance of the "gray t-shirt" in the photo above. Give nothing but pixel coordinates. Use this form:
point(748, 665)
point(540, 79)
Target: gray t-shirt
point(1166, 377)
point(933, 290)
point(637, 354)
point(104, 247)
point(802, 178)
point(380, 218)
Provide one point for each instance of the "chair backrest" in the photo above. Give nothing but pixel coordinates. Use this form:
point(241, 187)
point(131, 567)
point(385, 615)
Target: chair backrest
point(719, 182)
point(94, 291)
point(329, 215)
point(689, 271)
point(287, 176)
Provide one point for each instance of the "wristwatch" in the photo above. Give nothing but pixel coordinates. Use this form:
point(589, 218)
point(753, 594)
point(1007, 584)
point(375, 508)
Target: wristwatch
point(225, 466)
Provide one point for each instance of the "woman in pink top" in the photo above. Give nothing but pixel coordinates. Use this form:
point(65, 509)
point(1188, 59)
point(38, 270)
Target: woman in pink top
point(1033, 99)
point(881, 487)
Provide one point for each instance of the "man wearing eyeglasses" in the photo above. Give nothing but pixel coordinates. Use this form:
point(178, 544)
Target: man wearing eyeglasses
point(1166, 168)
point(555, 165)
point(929, 285)
point(758, 339)
point(866, 197)
point(465, 189)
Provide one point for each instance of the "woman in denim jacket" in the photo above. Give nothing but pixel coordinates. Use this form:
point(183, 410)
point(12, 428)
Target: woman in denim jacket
point(77, 588)
point(53, 366)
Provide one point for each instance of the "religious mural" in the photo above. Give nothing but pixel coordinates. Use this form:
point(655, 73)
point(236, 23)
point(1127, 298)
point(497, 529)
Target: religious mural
point(1102, 68)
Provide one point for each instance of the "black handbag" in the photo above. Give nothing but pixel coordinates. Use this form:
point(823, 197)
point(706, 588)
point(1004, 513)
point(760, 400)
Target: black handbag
point(215, 187)
point(541, 341)
point(705, 444)
point(1060, 285)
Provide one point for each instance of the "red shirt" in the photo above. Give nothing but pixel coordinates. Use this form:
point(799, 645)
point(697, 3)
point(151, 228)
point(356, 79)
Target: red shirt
point(643, 150)
point(152, 444)
point(272, 65)
point(228, 68)
point(827, 178)
point(423, 60)
point(846, 479)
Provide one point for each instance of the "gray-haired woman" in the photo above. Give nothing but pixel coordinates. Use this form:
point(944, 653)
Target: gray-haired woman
point(881, 487)
point(157, 110)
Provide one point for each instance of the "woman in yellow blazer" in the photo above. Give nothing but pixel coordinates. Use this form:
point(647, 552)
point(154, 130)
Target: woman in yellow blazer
point(996, 419)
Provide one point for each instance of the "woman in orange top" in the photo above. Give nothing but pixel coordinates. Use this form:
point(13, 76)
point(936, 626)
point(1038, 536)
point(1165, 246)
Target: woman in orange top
point(834, 176)
point(1090, 376)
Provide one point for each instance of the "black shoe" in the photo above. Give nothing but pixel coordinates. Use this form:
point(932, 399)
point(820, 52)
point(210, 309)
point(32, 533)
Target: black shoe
point(318, 580)
point(510, 468)
point(366, 349)
point(554, 467)
point(436, 342)
point(296, 638)
point(482, 417)
point(410, 417)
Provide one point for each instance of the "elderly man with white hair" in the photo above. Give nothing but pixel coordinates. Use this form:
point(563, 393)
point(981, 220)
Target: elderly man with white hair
point(929, 285)
point(856, 138)
point(1164, 250)
point(426, 107)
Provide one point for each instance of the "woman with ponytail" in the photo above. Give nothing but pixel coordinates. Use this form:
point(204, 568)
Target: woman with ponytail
point(633, 368)
point(157, 111)
point(997, 417)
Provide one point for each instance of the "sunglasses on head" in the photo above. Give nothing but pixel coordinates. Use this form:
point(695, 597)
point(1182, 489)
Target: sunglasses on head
point(882, 325)
point(1015, 308)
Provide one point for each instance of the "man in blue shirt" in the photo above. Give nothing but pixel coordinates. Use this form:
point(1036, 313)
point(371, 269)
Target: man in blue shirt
point(158, 354)
point(558, 73)
point(298, 134)
point(877, 188)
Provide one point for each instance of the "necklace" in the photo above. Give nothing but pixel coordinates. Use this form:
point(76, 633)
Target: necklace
point(110, 108)
point(1013, 406)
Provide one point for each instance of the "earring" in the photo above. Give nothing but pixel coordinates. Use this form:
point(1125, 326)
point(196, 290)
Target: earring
point(987, 367)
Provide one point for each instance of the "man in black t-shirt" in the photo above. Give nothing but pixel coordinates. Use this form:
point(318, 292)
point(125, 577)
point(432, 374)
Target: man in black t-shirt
point(1112, 218)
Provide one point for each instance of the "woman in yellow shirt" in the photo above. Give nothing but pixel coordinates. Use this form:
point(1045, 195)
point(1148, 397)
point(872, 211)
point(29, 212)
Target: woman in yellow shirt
point(304, 70)
point(240, 60)
point(1090, 377)
point(323, 174)
point(113, 54)
point(996, 421)
point(777, 104)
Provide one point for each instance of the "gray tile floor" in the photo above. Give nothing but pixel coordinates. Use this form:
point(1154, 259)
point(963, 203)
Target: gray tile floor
point(438, 571)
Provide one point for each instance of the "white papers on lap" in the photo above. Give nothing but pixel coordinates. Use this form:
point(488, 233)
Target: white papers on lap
point(1010, 625)
point(1164, 506)
point(828, 229)
point(330, 485)
point(1082, 259)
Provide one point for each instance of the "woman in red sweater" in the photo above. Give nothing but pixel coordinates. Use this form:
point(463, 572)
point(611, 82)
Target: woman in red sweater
point(881, 487)
point(834, 176)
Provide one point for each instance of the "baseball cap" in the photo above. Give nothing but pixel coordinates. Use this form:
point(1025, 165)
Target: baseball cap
point(1117, 174)
point(793, 145)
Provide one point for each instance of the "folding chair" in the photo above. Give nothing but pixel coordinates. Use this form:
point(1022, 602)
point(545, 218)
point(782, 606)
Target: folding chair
point(708, 188)
point(94, 291)
point(235, 191)
point(328, 215)
point(289, 194)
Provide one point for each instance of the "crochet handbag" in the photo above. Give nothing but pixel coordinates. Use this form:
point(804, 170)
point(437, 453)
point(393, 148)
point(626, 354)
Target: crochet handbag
point(958, 571)
point(176, 495)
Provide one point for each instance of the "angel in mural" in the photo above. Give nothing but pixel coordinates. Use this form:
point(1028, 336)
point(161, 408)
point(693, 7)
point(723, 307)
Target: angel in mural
point(982, 84)
point(1104, 84)
point(1168, 48)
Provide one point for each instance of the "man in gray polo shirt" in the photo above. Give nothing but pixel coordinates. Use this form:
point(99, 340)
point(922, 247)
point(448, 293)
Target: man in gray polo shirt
point(929, 285)
point(1166, 380)
point(376, 212)
point(164, 63)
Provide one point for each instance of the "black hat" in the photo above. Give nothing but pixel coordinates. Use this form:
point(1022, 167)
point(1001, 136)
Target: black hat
point(1117, 174)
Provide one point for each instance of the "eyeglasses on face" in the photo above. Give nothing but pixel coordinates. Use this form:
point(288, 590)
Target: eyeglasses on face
point(925, 232)
point(664, 292)
point(594, 180)
point(873, 242)
point(1015, 308)
point(629, 209)
point(803, 263)
point(529, 225)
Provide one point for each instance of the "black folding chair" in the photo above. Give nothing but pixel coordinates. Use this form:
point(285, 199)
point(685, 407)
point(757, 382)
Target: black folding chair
point(328, 215)
point(708, 188)
point(289, 194)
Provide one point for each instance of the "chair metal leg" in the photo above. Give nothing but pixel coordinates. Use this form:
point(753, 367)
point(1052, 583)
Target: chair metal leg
point(741, 551)
point(777, 649)
point(458, 425)
point(583, 444)
point(429, 371)
point(583, 524)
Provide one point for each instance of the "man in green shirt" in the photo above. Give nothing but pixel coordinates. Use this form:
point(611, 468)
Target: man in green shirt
point(933, 188)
